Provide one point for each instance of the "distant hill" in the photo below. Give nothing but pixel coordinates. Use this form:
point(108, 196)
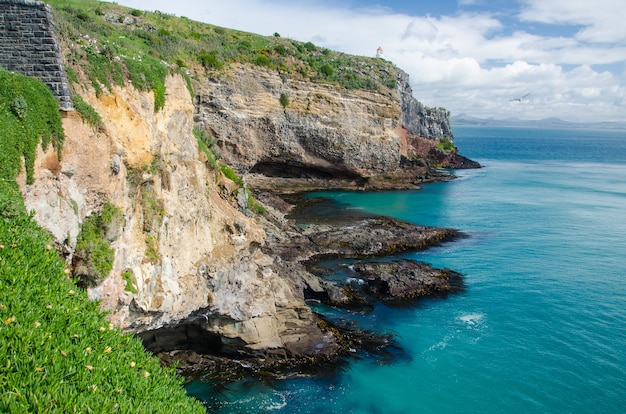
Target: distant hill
point(466, 120)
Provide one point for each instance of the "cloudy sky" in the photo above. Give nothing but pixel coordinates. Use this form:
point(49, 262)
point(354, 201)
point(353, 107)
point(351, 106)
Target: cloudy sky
point(567, 58)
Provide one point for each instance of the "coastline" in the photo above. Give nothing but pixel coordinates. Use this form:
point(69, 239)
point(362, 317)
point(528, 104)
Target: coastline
point(362, 238)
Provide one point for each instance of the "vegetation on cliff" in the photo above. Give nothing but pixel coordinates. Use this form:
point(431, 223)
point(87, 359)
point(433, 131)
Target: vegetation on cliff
point(29, 115)
point(114, 43)
point(59, 354)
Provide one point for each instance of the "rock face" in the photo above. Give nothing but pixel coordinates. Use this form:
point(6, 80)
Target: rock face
point(192, 264)
point(419, 120)
point(322, 132)
point(183, 241)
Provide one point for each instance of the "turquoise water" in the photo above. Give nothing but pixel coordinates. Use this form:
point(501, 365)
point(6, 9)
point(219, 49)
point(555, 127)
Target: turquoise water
point(541, 326)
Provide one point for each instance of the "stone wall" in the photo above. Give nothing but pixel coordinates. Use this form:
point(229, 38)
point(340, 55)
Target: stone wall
point(28, 45)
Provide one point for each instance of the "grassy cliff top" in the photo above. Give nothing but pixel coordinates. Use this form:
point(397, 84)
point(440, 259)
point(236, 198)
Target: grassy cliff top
point(113, 42)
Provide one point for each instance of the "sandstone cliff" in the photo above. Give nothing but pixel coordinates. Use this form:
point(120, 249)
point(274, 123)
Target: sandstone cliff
point(191, 253)
point(208, 254)
point(324, 131)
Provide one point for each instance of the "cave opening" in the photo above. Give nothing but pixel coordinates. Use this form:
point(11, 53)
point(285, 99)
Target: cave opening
point(285, 170)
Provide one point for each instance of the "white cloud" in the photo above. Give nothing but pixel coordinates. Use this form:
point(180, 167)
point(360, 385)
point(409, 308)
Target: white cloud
point(602, 20)
point(468, 63)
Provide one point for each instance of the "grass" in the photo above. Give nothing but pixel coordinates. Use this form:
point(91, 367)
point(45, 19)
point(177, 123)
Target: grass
point(59, 353)
point(87, 113)
point(445, 145)
point(112, 44)
point(206, 144)
point(127, 276)
point(93, 245)
point(28, 117)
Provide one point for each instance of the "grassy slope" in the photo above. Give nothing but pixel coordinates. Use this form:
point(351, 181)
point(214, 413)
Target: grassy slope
point(112, 43)
point(57, 351)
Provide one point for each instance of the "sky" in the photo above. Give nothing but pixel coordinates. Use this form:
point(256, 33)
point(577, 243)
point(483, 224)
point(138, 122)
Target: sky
point(528, 59)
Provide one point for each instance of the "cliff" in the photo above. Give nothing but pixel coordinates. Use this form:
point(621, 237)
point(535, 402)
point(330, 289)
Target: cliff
point(323, 132)
point(192, 265)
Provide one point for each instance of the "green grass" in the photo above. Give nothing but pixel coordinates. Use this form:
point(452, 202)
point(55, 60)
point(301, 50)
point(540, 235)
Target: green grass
point(445, 145)
point(59, 353)
point(112, 43)
point(87, 113)
point(127, 276)
point(231, 175)
point(93, 245)
point(206, 144)
point(29, 116)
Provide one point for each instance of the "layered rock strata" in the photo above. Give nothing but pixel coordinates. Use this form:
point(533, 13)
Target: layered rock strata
point(193, 266)
point(325, 136)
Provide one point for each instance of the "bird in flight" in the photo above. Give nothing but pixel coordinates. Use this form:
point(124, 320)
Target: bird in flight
point(519, 99)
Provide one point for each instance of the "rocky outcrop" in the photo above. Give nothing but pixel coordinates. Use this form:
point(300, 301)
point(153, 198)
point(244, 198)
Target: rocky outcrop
point(402, 280)
point(195, 269)
point(191, 255)
point(319, 131)
point(322, 132)
point(420, 120)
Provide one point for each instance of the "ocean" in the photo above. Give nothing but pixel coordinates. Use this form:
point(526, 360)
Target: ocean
point(541, 324)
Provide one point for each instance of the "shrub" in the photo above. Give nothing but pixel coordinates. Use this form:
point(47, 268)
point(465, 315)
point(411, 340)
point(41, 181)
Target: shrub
point(19, 106)
point(445, 145)
point(281, 50)
point(210, 61)
point(284, 100)
point(326, 70)
point(261, 60)
point(136, 13)
point(94, 256)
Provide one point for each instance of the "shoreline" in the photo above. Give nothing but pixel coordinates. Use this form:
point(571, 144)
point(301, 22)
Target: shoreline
point(364, 238)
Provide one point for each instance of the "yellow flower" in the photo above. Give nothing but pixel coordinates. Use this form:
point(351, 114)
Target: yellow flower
point(146, 374)
point(102, 329)
point(94, 388)
point(88, 350)
point(9, 320)
point(107, 350)
point(132, 364)
point(38, 369)
point(36, 324)
point(48, 247)
point(71, 292)
point(48, 306)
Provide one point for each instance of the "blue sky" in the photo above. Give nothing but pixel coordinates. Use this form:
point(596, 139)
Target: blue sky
point(472, 57)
